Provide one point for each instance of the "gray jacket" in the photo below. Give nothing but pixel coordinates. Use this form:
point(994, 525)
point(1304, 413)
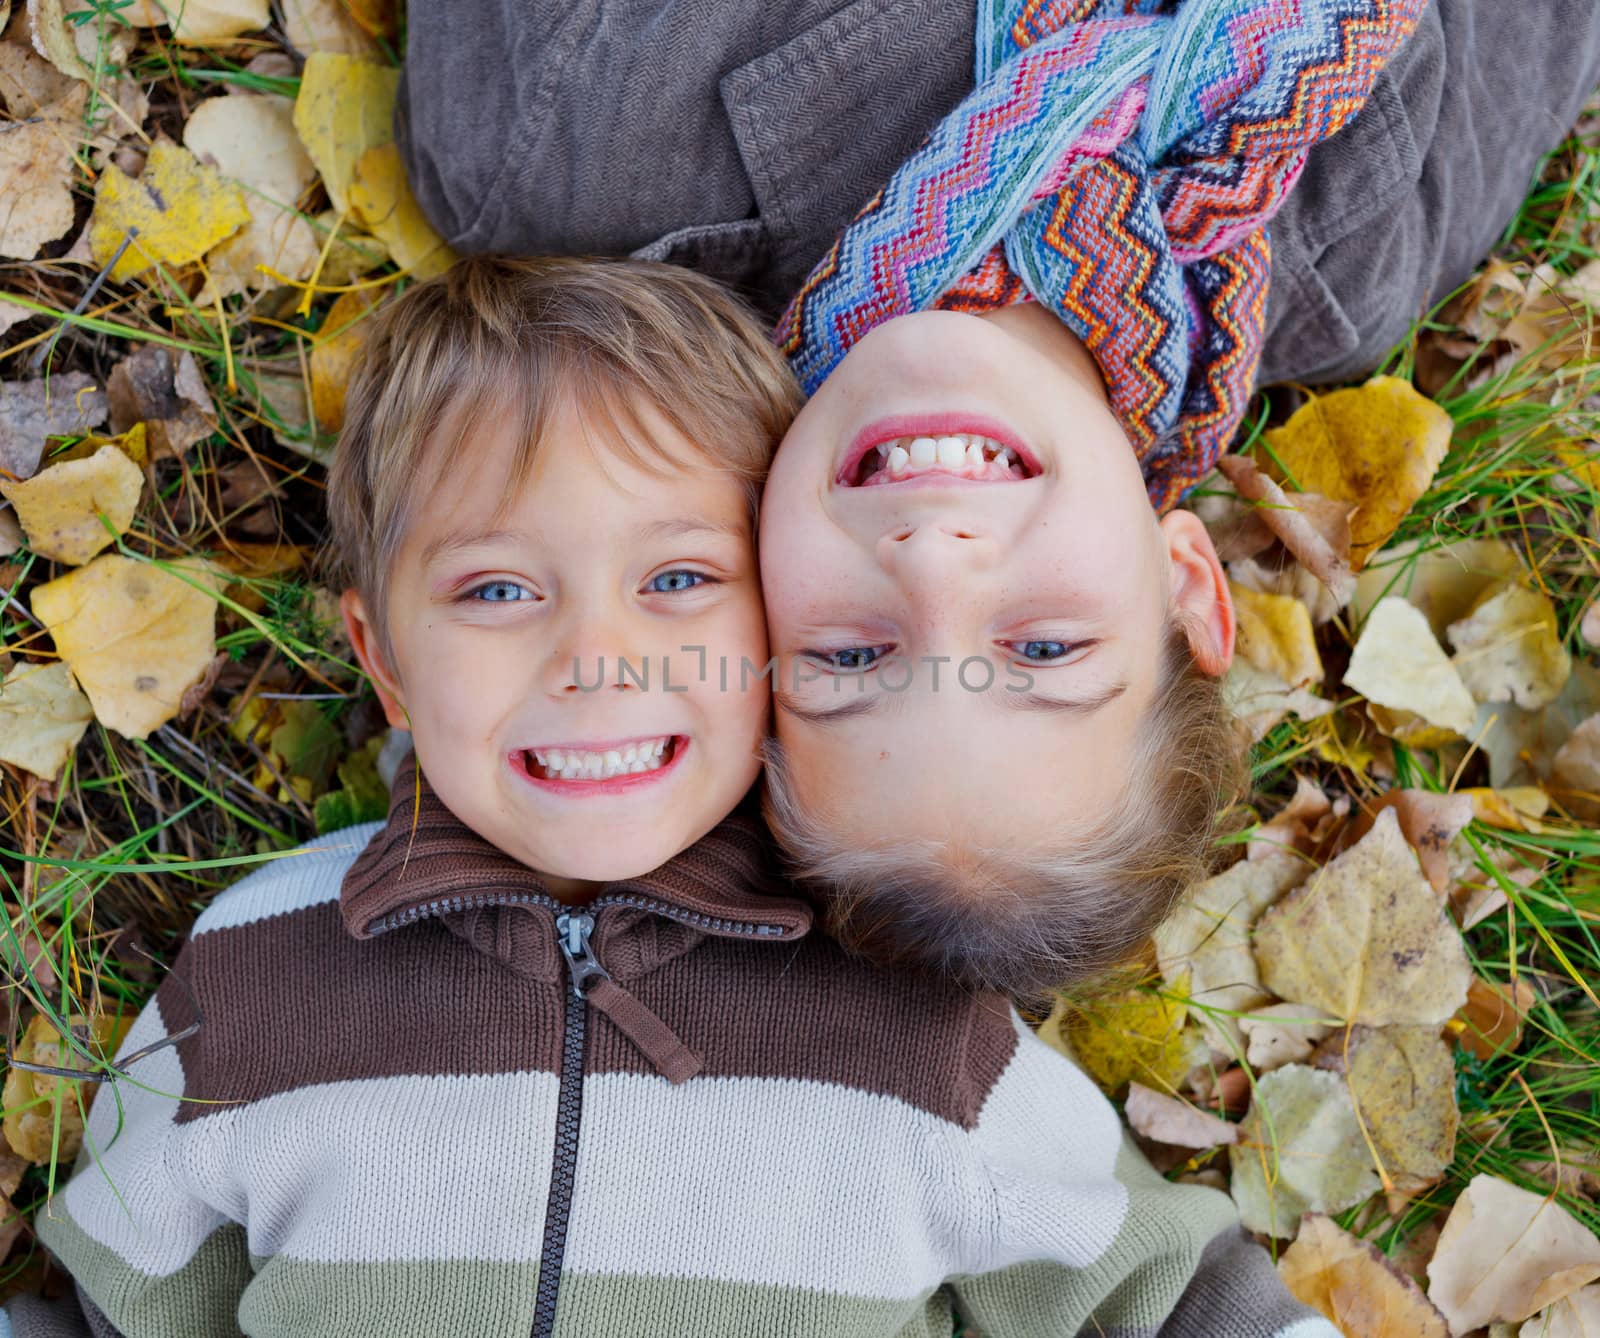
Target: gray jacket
point(740, 136)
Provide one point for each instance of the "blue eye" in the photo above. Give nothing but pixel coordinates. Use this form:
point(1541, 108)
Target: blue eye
point(852, 659)
point(495, 592)
point(1042, 652)
point(670, 582)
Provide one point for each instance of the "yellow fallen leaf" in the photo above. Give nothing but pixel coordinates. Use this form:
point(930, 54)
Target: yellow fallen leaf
point(381, 199)
point(1261, 700)
point(1274, 635)
point(206, 22)
point(42, 717)
point(1429, 822)
point(135, 636)
point(31, 1099)
point(345, 107)
point(1443, 582)
point(1508, 649)
point(1351, 1283)
point(352, 254)
point(77, 49)
point(61, 507)
point(1402, 1080)
point(1120, 1037)
point(1203, 947)
point(1167, 1119)
point(1409, 728)
point(1366, 938)
point(181, 209)
point(252, 140)
point(1517, 808)
point(1397, 663)
point(1375, 446)
point(134, 443)
point(326, 25)
point(333, 355)
point(1522, 745)
point(1505, 1253)
point(1299, 1151)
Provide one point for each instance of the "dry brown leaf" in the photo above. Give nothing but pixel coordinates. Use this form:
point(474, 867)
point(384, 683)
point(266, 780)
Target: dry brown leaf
point(333, 356)
point(31, 1099)
point(36, 168)
point(1203, 947)
point(61, 507)
point(31, 86)
point(1302, 825)
point(1589, 625)
point(1443, 583)
point(1274, 635)
point(1351, 1283)
point(327, 25)
point(381, 199)
point(180, 207)
point(42, 717)
point(1299, 1151)
point(77, 49)
point(252, 140)
point(1509, 648)
point(1261, 700)
point(135, 636)
point(1505, 1254)
point(345, 107)
point(32, 411)
point(1315, 530)
point(1475, 892)
point(1398, 664)
point(162, 389)
point(1366, 938)
point(1576, 771)
point(1375, 446)
point(1402, 1080)
point(1429, 821)
point(1522, 745)
point(1492, 1017)
point(1166, 1119)
point(1573, 1316)
point(1281, 1033)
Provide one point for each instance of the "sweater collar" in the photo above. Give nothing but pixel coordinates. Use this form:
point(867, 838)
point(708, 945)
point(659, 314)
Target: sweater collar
point(426, 862)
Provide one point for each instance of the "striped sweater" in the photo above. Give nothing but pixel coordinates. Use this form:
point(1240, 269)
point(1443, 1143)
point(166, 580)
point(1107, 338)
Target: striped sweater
point(397, 1116)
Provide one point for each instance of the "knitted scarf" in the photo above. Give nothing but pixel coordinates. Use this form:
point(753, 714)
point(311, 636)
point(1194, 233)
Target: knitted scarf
point(1118, 161)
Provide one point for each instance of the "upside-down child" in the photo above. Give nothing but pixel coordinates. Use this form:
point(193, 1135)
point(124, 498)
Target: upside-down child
point(1000, 741)
point(554, 1050)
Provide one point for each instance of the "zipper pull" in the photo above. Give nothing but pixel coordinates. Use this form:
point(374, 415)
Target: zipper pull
point(572, 934)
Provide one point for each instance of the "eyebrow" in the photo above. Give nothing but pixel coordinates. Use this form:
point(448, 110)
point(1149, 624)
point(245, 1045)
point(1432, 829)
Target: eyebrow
point(1020, 701)
point(656, 529)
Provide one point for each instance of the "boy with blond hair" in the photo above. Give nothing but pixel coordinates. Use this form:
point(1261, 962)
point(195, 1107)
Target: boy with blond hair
point(552, 1050)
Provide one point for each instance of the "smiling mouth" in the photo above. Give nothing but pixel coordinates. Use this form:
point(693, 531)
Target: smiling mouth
point(601, 766)
point(966, 456)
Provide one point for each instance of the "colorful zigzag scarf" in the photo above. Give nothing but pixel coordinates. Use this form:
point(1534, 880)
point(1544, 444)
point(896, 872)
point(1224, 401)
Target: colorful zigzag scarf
point(1118, 161)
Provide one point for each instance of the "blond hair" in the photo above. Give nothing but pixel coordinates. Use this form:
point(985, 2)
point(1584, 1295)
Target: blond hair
point(517, 339)
point(1027, 923)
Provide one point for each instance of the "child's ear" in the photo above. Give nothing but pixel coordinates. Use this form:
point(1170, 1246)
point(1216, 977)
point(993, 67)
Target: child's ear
point(364, 640)
point(1200, 591)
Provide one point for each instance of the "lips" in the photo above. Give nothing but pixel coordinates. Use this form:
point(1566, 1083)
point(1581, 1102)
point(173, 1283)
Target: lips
point(952, 448)
point(600, 768)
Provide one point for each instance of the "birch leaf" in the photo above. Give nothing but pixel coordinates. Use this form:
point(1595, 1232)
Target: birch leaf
point(1508, 648)
point(1351, 1283)
point(1574, 1316)
point(33, 411)
point(1576, 771)
point(1166, 1119)
point(36, 184)
point(334, 355)
point(162, 389)
point(31, 1099)
point(1375, 446)
point(1428, 821)
point(1275, 635)
point(1279, 1034)
point(1505, 1254)
point(42, 717)
point(134, 635)
point(326, 25)
point(61, 507)
point(1492, 1017)
point(1442, 583)
point(1402, 1080)
point(1366, 938)
point(1397, 663)
point(1300, 1151)
point(381, 199)
point(1120, 1037)
point(345, 107)
point(1261, 700)
point(1203, 947)
point(180, 207)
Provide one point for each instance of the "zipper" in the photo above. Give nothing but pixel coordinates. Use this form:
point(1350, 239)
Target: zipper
point(572, 934)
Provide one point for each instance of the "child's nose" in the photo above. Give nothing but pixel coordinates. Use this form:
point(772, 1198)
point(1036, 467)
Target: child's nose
point(596, 658)
point(937, 557)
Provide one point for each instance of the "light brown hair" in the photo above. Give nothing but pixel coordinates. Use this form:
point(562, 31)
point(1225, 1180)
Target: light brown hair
point(517, 338)
point(1030, 922)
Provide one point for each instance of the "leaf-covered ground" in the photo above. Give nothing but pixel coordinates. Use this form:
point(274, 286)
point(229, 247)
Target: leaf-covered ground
point(1377, 1025)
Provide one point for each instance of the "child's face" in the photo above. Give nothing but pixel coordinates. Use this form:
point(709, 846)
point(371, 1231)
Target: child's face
point(1002, 625)
point(501, 624)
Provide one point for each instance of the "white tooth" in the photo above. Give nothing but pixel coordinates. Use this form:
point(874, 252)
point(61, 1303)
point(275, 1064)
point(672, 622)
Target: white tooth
point(630, 754)
point(611, 759)
point(952, 451)
point(899, 460)
point(539, 757)
point(659, 747)
point(590, 761)
point(639, 766)
point(882, 449)
point(557, 759)
point(974, 454)
point(1004, 457)
point(924, 451)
